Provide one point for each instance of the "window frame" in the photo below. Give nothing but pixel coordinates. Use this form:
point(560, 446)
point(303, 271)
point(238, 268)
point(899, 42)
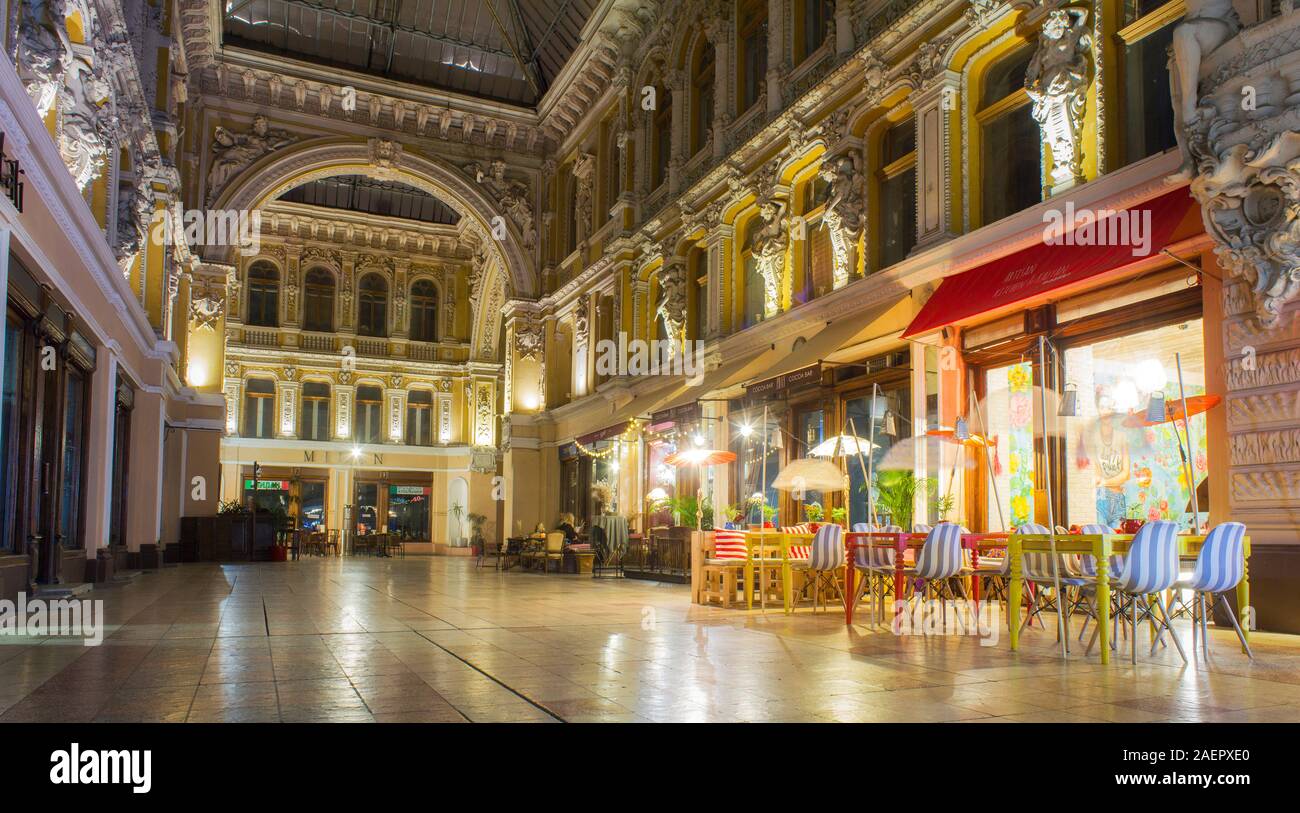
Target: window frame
point(427, 305)
point(369, 300)
point(313, 292)
point(265, 288)
point(265, 409)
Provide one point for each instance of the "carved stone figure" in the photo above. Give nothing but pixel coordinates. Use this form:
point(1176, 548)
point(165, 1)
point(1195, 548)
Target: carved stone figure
point(1206, 25)
point(529, 343)
point(43, 51)
point(1057, 81)
point(233, 152)
point(672, 303)
point(205, 311)
point(583, 170)
point(133, 209)
point(86, 122)
point(770, 246)
point(843, 218)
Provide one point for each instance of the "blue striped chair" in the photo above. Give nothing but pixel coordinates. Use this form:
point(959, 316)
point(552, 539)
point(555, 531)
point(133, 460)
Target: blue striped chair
point(1220, 567)
point(825, 560)
point(1150, 568)
point(876, 565)
point(1088, 570)
point(940, 558)
point(1038, 568)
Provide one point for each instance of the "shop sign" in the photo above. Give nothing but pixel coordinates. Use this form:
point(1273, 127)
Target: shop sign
point(604, 434)
point(803, 377)
point(678, 414)
point(405, 490)
point(267, 485)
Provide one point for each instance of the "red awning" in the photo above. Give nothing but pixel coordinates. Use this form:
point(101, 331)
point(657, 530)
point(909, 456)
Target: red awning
point(1092, 248)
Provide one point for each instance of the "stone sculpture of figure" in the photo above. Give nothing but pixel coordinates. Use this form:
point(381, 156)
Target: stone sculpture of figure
point(1057, 82)
point(232, 152)
point(86, 125)
point(43, 51)
point(843, 212)
point(1206, 25)
point(672, 304)
point(770, 245)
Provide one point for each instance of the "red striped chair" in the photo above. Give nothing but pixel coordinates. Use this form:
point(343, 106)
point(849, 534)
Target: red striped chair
point(725, 556)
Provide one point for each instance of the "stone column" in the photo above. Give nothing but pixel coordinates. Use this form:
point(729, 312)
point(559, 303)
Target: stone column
point(401, 286)
point(719, 31)
point(718, 245)
point(144, 512)
point(936, 118)
point(292, 285)
point(776, 59)
point(640, 297)
point(343, 399)
point(843, 27)
point(347, 291)
point(99, 442)
point(677, 81)
point(286, 422)
point(395, 415)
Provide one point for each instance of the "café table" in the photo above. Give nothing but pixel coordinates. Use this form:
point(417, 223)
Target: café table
point(901, 543)
point(778, 542)
point(1101, 547)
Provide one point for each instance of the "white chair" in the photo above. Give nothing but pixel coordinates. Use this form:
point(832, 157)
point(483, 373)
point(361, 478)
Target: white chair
point(940, 558)
point(1039, 569)
point(1220, 567)
point(825, 560)
point(1087, 565)
point(1150, 568)
point(876, 565)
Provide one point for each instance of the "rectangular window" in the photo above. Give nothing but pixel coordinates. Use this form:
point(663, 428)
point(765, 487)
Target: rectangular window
point(1117, 467)
point(259, 408)
point(408, 511)
point(74, 419)
point(896, 223)
point(9, 433)
point(1148, 109)
point(369, 415)
point(893, 412)
point(315, 412)
point(419, 418)
point(366, 508)
point(311, 501)
point(121, 463)
point(701, 314)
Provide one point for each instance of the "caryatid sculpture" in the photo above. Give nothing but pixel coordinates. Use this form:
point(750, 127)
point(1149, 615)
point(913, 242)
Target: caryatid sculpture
point(1057, 81)
point(843, 216)
point(1206, 25)
point(770, 246)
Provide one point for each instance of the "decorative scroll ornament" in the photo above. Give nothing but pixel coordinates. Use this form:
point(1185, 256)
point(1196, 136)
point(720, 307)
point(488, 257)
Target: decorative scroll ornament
point(770, 246)
point(234, 152)
point(1247, 161)
point(843, 218)
point(1057, 81)
point(86, 121)
point(529, 342)
point(205, 311)
point(512, 195)
point(43, 51)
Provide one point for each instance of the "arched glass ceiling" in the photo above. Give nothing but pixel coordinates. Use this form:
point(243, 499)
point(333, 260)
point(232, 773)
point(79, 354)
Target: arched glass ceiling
point(358, 193)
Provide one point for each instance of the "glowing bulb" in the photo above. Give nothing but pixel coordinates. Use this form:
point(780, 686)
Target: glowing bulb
point(530, 402)
point(613, 465)
point(698, 440)
point(746, 430)
point(356, 452)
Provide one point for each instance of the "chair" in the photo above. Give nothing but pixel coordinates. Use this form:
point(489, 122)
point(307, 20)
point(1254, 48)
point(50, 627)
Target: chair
point(1150, 568)
point(395, 543)
point(824, 562)
point(553, 551)
point(1039, 570)
point(330, 543)
point(1087, 566)
point(940, 558)
point(607, 559)
point(1220, 567)
point(489, 548)
point(876, 564)
point(921, 528)
point(725, 557)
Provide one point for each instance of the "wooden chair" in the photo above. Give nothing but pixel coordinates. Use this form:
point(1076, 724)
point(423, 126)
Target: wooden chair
point(489, 548)
point(396, 545)
point(553, 551)
point(725, 557)
point(330, 543)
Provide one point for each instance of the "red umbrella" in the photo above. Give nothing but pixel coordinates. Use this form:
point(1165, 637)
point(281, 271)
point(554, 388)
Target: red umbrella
point(1196, 404)
point(699, 457)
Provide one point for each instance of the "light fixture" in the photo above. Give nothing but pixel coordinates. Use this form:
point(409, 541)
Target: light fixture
point(1156, 408)
point(961, 431)
point(530, 402)
point(746, 430)
point(1069, 407)
point(613, 465)
point(890, 429)
point(656, 495)
point(697, 439)
point(356, 452)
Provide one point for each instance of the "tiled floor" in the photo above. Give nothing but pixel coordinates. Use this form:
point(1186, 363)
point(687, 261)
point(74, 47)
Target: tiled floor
point(434, 639)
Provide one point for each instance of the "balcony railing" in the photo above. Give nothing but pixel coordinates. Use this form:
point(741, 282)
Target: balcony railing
point(318, 342)
point(376, 348)
point(261, 338)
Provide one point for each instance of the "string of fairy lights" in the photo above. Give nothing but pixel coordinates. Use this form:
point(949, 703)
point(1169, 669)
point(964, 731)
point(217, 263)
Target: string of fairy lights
point(628, 435)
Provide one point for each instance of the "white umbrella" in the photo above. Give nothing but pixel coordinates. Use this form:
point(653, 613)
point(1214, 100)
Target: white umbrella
point(810, 474)
point(842, 446)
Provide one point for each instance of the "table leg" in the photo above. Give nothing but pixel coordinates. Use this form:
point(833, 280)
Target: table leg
point(1103, 601)
point(848, 586)
point(786, 578)
point(749, 585)
point(900, 584)
point(1016, 588)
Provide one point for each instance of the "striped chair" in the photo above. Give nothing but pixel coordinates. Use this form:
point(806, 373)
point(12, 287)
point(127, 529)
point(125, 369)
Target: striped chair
point(1220, 567)
point(921, 528)
point(825, 560)
point(1087, 566)
point(940, 558)
point(1039, 569)
point(1150, 568)
point(876, 565)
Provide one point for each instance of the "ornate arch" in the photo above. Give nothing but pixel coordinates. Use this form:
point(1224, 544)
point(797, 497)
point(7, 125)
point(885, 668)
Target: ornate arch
point(274, 174)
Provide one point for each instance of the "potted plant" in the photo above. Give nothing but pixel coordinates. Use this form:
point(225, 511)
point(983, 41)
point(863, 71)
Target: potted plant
point(897, 491)
point(458, 511)
point(476, 522)
point(814, 513)
point(602, 492)
point(838, 515)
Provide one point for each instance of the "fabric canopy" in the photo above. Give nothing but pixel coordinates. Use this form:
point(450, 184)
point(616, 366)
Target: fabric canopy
point(1074, 255)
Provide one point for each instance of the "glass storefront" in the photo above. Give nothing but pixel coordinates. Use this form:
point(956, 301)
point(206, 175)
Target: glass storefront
point(809, 429)
point(365, 509)
point(9, 434)
point(311, 505)
point(1120, 465)
point(408, 511)
point(270, 495)
point(1010, 413)
point(74, 420)
point(892, 424)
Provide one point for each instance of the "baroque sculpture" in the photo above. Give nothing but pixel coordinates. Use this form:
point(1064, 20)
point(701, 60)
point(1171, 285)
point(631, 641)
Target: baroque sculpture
point(233, 152)
point(843, 218)
point(770, 246)
point(43, 51)
point(1057, 81)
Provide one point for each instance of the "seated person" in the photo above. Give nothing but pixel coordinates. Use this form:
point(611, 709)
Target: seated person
point(566, 525)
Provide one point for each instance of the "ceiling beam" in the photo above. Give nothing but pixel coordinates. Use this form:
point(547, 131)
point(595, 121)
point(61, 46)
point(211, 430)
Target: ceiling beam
point(523, 66)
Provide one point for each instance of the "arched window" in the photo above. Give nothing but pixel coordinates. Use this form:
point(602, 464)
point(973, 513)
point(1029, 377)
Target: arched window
point(702, 70)
point(372, 310)
point(751, 36)
point(315, 411)
point(259, 408)
point(895, 177)
point(661, 137)
point(424, 311)
point(318, 301)
point(263, 295)
point(754, 294)
point(1011, 149)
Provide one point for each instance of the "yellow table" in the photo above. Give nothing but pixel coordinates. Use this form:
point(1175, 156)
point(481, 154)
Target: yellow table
point(780, 543)
point(1101, 546)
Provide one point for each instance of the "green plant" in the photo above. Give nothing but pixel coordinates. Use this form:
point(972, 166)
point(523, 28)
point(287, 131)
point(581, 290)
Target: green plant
point(813, 511)
point(230, 507)
point(684, 510)
point(944, 505)
point(896, 494)
point(838, 515)
point(769, 513)
point(458, 511)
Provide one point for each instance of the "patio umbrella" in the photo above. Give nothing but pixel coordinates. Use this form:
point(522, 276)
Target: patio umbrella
point(701, 458)
point(842, 446)
point(810, 474)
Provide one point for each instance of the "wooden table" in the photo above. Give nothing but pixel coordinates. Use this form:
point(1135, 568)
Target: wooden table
point(1101, 546)
point(780, 542)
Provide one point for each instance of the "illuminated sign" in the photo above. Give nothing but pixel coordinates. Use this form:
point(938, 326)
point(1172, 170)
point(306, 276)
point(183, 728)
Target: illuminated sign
point(267, 485)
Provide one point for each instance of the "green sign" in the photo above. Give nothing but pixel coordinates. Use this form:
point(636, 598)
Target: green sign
point(267, 485)
point(421, 490)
